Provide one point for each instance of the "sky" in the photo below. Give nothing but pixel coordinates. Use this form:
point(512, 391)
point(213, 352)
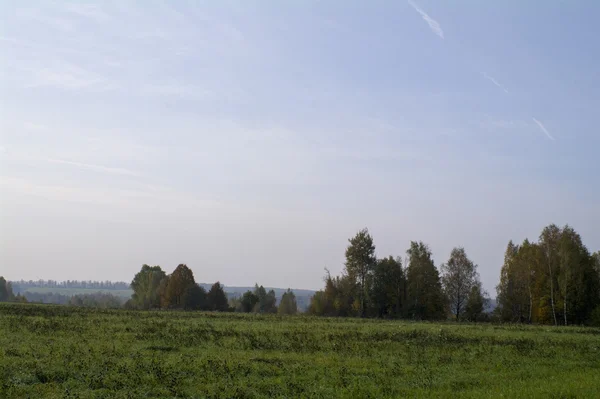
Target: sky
point(251, 139)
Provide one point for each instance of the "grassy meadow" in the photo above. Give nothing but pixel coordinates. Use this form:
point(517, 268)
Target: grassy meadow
point(49, 351)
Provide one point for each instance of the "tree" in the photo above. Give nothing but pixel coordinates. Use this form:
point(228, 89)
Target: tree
point(360, 262)
point(288, 304)
point(145, 286)
point(266, 300)
point(425, 299)
point(459, 275)
point(388, 288)
point(176, 292)
point(476, 303)
point(6, 292)
point(549, 281)
point(549, 242)
point(248, 301)
point(195, 298)
point(217, 299)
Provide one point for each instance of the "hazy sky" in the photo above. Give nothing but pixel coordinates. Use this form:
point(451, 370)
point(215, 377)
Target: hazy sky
point(251, 139)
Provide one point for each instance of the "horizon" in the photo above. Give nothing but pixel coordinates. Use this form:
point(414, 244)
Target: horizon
point(251, 141)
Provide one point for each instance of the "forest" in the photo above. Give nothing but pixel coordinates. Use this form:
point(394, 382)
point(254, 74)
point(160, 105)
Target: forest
point(554, 280)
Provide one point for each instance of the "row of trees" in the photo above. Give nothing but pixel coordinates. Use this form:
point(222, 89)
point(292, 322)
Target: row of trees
point(372, 287)
point(153, 289)
point(22, 285)
point(555, 280)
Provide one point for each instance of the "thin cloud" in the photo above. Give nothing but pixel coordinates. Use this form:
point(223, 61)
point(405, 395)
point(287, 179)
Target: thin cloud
point(541, 125)
point(95, 168)
point(88, 11)
point(433, 24)
point(494, 81)
point(67, 76)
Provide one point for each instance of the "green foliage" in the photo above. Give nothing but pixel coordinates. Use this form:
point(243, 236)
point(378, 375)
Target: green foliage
point(459, 276)
point(177, 288)
point(360, 262)
point(388, 289)
point(553, 281)
point(337, 299)
point(248, 302)
point(57, 351)
point(6, 292)
point(266, 300)
point(216, 298)
point(145, 286)
point(288, 305)
point(425, 300)
point(476, 303)
point(195, 298)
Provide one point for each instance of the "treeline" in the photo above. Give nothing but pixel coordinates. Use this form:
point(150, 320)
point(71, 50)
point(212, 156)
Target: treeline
point(554, 281)
point(101, 300)
point(92, 300)
point(22, 285)
point(7, 294)
point(372, 287)
point(154, 289)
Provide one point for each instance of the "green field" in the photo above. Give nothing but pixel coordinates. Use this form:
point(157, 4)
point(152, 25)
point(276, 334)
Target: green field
point(51, 351)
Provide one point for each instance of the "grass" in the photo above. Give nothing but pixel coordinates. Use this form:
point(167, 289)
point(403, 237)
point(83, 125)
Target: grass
point(64, 352)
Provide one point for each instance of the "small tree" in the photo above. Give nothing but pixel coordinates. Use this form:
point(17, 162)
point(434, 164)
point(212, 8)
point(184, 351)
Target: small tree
point(266, 300)
point(217, 299)
point(288, 304)
point(248, 301)
point(179, 282)
point(476, 303)
point(459, 275)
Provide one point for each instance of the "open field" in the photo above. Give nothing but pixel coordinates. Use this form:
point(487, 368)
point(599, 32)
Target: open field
point(51, 351)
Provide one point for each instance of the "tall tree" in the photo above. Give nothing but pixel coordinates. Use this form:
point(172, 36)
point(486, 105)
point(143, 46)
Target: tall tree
point(180, 281)
point(6, 292)
point(425, 299)
point(459, 275)
point(145, 286)
point(217, 299)
point(549, 239)
point(476, 303)
point(388, 288)
point(288, 304)
point(360, 262)
point(506, 288)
